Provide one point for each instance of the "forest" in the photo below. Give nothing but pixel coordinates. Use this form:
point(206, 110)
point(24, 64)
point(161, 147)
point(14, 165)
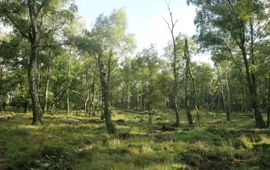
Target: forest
point(76, 97)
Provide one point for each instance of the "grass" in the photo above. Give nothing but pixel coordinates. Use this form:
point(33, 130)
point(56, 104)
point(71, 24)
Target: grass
point(77, 142)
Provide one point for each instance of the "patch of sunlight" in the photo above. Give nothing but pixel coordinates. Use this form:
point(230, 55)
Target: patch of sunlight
point(246, 142)
point(265, 139)
point(30, 127)
point(115, 143)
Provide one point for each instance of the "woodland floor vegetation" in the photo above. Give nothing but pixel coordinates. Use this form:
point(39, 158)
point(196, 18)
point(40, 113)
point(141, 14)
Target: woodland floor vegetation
point(79, 142)
point(87, 96)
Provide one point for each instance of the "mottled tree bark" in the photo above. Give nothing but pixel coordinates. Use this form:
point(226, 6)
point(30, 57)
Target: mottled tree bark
point(268, 98)
point(171, 27)
point(105, 96)
point(32, 72)
point(45, 107)
point(86, 102)
point(32, 66)
point(251, 79)
point(67, 88)
point(228, 103)
point(249, 63)
point(189, 76)
point(92, 104)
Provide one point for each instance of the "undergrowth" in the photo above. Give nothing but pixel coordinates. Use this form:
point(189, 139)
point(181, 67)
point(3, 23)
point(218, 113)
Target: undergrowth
point(78, 142)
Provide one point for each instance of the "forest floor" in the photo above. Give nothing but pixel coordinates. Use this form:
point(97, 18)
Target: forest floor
point(78, 142)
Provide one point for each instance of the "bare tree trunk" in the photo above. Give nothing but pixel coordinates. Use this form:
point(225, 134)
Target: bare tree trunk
point(105, 96)
point(32, 72)
point(250, 76)
point(92, 105)
point(195, 94)
point(86, 107)
point(219, 79)
point(32, 66)
point(67, 102)
point(68, 86)
point(189, 75)
point(244, 101)
point(171, 27)
point(109, 75)
point(137, 101)
point(268, 98)
point(1, 87)
point(228, 103)
point(45, 109)
point(141, 103)
point(189, 117)
point(128, 98)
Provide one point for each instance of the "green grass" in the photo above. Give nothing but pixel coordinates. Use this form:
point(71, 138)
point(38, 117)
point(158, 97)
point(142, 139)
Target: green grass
point(77, 142)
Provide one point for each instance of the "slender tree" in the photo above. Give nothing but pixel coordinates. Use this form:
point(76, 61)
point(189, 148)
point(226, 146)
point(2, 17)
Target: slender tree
point(171, 26)
point(35, 20)
point(244, 22)
point(189, 75)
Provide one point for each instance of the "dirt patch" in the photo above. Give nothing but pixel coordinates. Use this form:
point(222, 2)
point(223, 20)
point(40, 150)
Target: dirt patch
point(161, 136)
point(46, 158)
point(5, 117)
point(93, 121)
point(127, 135)
point(208, 161)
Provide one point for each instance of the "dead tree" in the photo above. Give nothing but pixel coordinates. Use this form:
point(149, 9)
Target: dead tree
point(189, 76)
point(171, 25)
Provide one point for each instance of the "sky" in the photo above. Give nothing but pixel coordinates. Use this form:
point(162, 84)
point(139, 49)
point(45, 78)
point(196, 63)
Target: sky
point(145, 19)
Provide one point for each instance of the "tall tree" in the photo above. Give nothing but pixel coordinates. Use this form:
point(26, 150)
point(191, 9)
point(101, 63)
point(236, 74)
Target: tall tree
point(35, 20)
point(244, 21)
point(107, 37)
point(171, 26)
point(189, 75)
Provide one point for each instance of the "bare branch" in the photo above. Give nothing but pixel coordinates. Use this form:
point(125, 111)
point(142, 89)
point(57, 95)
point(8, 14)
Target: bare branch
point(17, 26)
point(167, 24)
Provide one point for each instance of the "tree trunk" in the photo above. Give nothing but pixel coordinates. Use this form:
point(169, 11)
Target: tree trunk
point(189, 117)
point(109, 76)
point(67, 102)
point(93, 95)
point(189, 75)
point(86, 107)
point(219, 79)
point(250, 74)
point(228, 103)
point(137, 101)
point(268, 98)
point(177, 119)
point(251, 80)
point(25, 106)
point(1, 87)
point(171, 27)
point(45, 108)
point(244, 101)
point(32, 72)
point(105, 96)
point(32, 66)
point(68, 86)
point(128, 98)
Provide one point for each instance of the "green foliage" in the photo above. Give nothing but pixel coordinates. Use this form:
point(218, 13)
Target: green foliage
point(142, 85)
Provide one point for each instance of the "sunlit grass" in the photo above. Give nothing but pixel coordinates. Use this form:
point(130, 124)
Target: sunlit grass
point(79, 142)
